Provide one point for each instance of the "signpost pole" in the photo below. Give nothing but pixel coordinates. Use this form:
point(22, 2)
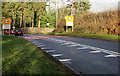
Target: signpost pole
point(66, 28)
point(3, 32)
point(9, 32)
point(72, 29)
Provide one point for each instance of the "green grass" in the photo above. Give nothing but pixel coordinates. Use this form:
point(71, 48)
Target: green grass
point(21, 57)
point(105, 37)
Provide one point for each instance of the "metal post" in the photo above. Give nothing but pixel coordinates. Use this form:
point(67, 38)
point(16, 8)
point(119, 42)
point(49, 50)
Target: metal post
point(66, 28)
point(72, 29)
point(3, 32)
point(9, 32)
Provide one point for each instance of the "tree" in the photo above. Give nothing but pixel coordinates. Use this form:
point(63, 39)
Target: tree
point(79, 7)
point(23, 14)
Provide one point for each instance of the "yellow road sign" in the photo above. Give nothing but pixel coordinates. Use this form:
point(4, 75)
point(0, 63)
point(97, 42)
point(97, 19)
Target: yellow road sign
point(6, 21)
point(69, 20)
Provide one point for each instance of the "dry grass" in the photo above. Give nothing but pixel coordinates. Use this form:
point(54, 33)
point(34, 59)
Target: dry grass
point(100, 23)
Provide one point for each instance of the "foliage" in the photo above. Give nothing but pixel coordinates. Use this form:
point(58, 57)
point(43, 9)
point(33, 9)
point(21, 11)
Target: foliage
point(27, 14)
point(48, 18)
point(79, 7)
point(100, 23)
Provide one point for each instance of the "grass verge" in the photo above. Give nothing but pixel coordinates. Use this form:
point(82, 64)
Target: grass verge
point(21, 57)
point(104, 37)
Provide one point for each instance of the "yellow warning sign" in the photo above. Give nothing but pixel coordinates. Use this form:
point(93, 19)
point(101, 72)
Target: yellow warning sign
point(69, 20)
point(6, 21)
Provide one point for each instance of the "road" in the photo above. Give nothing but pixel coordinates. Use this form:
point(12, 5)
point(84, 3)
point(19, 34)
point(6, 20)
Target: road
point(86, 56)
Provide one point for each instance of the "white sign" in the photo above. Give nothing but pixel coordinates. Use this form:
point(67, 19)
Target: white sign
point(6, 26)
point(69, 23)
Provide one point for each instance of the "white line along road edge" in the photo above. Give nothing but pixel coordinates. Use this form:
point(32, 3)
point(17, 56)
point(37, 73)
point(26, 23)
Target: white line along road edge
point(96, 50)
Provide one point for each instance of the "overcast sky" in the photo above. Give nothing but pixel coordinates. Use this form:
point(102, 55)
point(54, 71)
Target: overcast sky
point(102, 5)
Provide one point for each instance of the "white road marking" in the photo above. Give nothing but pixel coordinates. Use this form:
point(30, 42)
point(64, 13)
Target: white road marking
point(73, 45)
point(111, 56)
point(83, 48)
point(64, 60)
point(65, 44)
point(50, 51)
point(95, 52)
point(56, 55)
point(45, 48)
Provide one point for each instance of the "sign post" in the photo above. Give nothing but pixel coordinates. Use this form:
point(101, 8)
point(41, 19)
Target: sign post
point(69, 22)
point(6, 24)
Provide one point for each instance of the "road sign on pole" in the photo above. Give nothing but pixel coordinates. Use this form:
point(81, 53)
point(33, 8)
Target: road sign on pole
point(6, 23)
point(69, 22)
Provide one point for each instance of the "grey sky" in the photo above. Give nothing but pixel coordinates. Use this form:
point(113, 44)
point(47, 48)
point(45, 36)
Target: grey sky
point(103, 5)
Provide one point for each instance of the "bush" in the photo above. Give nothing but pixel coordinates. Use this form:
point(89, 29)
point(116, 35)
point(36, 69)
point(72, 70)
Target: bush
point(100, 23)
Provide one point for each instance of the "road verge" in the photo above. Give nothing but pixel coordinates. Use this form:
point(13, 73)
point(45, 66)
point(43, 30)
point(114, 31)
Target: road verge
point(22, 57)
point(93, 36)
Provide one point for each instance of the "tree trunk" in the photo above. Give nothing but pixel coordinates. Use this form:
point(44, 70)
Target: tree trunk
point(33, 17)
point(21, 19)
point(14, 18)
point(24, 14)
point(39, 24)
point(32, 22)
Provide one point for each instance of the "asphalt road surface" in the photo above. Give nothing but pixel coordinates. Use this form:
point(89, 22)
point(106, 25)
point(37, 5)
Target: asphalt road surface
point(86, 56)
